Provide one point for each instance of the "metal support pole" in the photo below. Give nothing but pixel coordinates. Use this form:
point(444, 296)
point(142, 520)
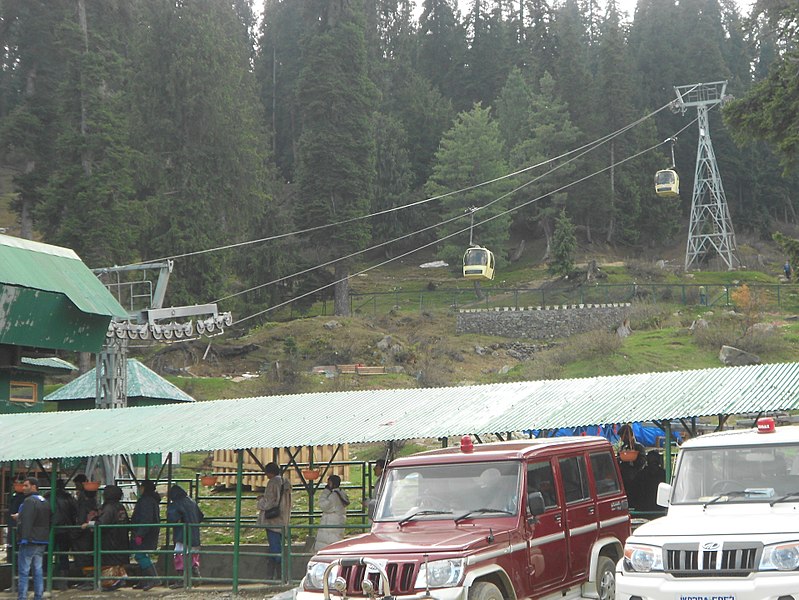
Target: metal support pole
point(237, 524)
point(51, 537)
point(667, 444)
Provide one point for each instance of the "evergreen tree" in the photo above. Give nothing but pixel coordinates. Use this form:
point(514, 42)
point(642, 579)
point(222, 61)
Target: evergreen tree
point(470, 154)
point(196, 125)
point(424, 115)
point(548, 133)
point(32, 70)
point(513, 110)
point(336, 169)
point(488, 56)
point(393, 185)
point(277, 68)
point(770, 110)
point(88, 202)
point(441, 47)
point(564, 246)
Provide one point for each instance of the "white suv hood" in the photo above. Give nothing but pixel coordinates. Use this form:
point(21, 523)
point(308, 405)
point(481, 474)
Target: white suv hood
point(742, 519)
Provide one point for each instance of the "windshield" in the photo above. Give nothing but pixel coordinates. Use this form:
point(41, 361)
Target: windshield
point(736, 474)
point(664, 177)
point(476, 257)
point(447, 491)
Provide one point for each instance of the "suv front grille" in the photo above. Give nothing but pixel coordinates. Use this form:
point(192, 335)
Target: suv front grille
point(401, 577)
point(732, 559)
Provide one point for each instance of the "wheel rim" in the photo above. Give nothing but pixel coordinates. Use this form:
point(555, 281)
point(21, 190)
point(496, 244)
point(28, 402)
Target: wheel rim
point(607, 586)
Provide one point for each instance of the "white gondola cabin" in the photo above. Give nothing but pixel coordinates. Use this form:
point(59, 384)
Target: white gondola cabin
point(667, 183)
point(478, 263)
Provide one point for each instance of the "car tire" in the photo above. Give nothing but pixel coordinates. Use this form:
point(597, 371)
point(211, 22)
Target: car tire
point(605, 578)
point(484, 590)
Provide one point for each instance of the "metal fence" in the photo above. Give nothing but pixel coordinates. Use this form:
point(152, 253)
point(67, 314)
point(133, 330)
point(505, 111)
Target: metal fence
point(767, 297)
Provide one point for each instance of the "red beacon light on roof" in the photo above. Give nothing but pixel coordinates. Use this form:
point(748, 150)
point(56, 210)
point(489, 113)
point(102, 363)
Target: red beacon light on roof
point(766, 425)
point(467, 446)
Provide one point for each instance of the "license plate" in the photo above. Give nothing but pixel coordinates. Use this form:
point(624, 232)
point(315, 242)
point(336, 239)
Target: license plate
point(719, 596)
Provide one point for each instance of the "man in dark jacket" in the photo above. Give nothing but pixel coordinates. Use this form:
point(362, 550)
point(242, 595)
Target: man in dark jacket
point(183, 509)
point(33, 532)
point(146, 512)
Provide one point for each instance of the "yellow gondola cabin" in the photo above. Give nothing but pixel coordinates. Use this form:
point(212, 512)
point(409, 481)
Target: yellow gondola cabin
point(478, 263)
point(667, 183)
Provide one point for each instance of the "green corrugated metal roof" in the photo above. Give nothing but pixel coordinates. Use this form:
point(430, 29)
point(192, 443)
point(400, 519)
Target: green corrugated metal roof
point(142, 383)
point(38, 266)
point(51, 362)
point(372, 416)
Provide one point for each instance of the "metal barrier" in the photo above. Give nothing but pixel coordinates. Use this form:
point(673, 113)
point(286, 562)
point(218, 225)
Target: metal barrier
point(292, 536)
point(776, 295)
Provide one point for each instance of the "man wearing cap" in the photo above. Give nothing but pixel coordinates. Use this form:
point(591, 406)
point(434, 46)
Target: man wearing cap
point(33, 532)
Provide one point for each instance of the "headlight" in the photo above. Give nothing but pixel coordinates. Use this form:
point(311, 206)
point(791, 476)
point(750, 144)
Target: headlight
point(440, 573)
point(780, 557)
point(315, 573)
point(643, 559)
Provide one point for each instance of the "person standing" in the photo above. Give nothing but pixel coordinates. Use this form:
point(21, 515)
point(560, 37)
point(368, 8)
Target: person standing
point(787, 270)
point(144, 539)
point(113, 540)
point(333, 502)
point(66, 512)
point(33, 532)
point(82, 540)
point(274, 511)
point(182, 509)
point(371, 504)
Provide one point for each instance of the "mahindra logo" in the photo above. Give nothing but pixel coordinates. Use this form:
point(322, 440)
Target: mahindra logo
point(711, 546)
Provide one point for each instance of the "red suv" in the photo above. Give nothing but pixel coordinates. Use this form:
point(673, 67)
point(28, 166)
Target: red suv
point(521, 519)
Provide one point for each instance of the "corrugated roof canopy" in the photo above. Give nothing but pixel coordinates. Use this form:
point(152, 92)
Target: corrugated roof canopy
point(371, 416)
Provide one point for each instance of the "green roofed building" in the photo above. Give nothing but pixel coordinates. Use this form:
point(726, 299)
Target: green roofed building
point(145, 388)
point(49, 300)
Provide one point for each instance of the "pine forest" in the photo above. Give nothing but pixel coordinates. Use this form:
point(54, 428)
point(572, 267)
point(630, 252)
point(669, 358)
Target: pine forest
point(134, 130)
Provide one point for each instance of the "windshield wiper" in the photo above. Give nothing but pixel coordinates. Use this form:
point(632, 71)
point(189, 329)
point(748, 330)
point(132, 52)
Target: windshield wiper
point(477, 511)
point(784, 498)
point(730, 494)
point(418, 513)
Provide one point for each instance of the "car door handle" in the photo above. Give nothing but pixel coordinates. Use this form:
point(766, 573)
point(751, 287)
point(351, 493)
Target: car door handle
point(591, 510)
point(558, 518)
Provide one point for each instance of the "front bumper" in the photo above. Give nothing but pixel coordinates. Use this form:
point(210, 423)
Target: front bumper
point(660, 586)
point(453, 593)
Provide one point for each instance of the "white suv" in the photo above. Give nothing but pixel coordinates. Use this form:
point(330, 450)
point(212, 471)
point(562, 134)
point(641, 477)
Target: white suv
point(732, 527)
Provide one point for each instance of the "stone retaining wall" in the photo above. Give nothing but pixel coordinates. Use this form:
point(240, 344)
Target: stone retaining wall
point(541, 322)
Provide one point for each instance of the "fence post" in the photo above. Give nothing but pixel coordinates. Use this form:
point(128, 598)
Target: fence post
point(51, 537)
point(543, 298)
point(779, 300)
point(684, 297)
point(516, 298)
point(374, 305)
point(237, 524)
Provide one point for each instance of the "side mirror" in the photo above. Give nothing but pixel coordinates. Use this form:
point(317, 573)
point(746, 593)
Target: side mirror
point(535, 504)
point(664, 493)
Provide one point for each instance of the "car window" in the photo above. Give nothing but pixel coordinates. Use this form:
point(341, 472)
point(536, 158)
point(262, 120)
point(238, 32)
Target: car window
point(604, 469)
point(574, 478)
point(541, 479)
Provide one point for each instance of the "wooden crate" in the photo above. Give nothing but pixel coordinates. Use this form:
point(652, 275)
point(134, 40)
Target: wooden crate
point(225, 460)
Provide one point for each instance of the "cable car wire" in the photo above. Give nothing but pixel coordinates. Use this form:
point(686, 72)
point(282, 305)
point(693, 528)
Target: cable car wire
point(591, 145)
point(586, 149)
point(436, 241)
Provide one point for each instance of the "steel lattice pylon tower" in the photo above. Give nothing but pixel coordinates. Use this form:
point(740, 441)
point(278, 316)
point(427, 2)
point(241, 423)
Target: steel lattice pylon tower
point(711, 225)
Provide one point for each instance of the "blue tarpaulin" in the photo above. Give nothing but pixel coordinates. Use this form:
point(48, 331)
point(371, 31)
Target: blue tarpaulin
point(647, 435)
